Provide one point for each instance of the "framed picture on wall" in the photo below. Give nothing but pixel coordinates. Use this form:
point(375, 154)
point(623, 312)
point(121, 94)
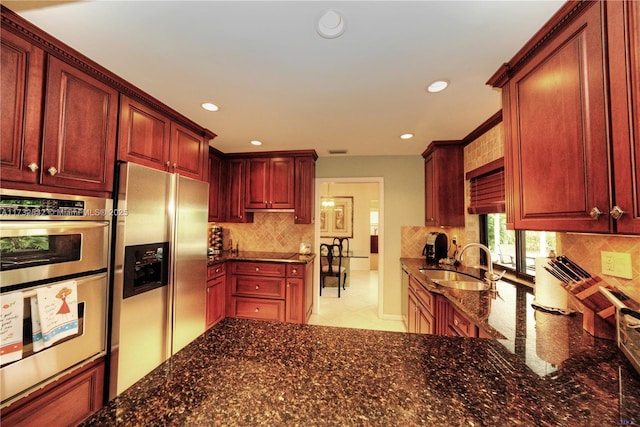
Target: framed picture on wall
point(336, 217)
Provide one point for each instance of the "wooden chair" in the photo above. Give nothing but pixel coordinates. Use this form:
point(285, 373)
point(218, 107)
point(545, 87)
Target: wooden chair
point(331, 257)
point(344, 244)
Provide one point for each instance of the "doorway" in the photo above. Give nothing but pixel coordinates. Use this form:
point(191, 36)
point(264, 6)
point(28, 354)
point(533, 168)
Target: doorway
point(363, 191)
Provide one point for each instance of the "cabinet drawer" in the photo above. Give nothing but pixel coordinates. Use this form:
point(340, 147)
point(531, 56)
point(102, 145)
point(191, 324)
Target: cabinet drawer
point(256, 308)
point(263, 287)
point(461, 326)
point(295, 270)
point(260, 268)
point(216, 270)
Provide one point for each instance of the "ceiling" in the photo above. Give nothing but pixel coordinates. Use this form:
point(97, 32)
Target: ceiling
point(276, 80)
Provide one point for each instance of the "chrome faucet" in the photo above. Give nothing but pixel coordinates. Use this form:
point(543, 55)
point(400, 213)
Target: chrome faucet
point(489, 275)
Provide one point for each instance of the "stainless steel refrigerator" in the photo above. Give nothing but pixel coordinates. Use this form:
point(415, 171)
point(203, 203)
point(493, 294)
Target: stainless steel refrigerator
point(159, 289)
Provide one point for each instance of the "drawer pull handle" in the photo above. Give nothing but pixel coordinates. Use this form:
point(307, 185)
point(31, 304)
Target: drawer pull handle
point(257, 268)
point(257, 286)
point(257, 309)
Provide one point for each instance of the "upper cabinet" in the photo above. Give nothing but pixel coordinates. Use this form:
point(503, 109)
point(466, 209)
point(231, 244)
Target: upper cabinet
point(304, 189)
point(69, 145)
point(235, 197)
point(444, 184)
point(217, 186)
point(22, 93)
point(565, 131)
point(269, 183)
point(150, 138)
point(623, 26)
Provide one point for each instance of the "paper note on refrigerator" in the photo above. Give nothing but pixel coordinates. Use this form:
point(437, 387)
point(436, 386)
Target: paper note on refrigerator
point(11, 314)
point(58, 309)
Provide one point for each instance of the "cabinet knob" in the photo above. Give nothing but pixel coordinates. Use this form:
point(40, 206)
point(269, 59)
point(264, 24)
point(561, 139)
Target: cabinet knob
point(33, 167)
point(595, 213)
point(175, 165)
point(168, 164)
point(294, 271)
point(257, 268)
point(257, 286)
point(52, 171)
point(456, 322)
point(257, 309)
point(616, 212)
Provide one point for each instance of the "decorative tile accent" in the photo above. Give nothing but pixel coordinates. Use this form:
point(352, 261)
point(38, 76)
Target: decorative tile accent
point(269, 232)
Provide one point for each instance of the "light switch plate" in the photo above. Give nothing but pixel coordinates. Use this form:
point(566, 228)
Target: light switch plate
point(616, 264)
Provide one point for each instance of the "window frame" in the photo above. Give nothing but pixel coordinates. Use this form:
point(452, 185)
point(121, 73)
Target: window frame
point(520, 271)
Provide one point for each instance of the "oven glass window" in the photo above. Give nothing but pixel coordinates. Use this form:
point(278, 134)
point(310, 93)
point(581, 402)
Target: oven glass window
point(29, 251)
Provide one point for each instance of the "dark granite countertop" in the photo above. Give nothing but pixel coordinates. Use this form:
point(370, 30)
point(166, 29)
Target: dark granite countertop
point(285, 257)
point(250, 373)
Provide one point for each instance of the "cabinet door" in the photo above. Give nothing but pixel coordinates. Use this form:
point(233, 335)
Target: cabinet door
point(235, 205)
point(216, 188)
point(304, 190)
point(257, 183)
point(430, 192)
point(281, 174)
point(79, 139)
point(22, 91)
point(624, 68)
point(215, 301)
point(412, 313)
point(558, 132)
point(425, 321)
point(294, 301)
point(143, 135)
point(189, 152)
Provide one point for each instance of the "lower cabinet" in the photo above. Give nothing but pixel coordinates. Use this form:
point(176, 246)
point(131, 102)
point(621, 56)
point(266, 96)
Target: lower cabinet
point(65, 402)
point(271, 291)
point(216, 293)
point(429, 313)
point(420, 309)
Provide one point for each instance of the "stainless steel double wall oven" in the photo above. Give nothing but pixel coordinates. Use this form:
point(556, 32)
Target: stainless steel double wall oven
point(47, 240)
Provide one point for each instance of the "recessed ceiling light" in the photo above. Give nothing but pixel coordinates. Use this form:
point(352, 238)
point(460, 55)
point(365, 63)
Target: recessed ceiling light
point(256, 142)
point(330, 24)
point(437, 86)
point(406, 136)
point(210, 107)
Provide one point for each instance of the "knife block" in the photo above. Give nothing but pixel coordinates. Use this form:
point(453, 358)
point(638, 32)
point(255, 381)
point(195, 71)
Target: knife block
point(598, 313)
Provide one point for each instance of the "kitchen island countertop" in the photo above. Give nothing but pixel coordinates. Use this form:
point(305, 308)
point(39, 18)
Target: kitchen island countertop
point(249, 373)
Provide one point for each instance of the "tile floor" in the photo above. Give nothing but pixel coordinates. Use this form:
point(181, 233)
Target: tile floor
point(357, 306)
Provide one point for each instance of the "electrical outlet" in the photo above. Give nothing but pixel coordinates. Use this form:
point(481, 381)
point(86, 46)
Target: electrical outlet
point(616, 264)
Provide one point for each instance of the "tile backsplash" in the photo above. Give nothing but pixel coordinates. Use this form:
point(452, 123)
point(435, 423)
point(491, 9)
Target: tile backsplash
point(269, 231)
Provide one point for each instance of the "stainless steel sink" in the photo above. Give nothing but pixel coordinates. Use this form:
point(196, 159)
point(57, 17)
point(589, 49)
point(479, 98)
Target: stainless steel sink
point(455, 280)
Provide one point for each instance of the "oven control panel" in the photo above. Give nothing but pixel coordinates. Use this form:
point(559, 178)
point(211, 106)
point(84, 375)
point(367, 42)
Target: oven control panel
point(37, 206)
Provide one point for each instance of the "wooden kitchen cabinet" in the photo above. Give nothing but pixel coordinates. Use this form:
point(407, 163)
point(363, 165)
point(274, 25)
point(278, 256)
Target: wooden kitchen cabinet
point(271, 291)
point(65, 402)
point(623, 33)
point(444, 184)
point(216, 293)
point(150, 138)
point(568, 100)
point(144, 134)
point(217, 186)
point(22, 93)
point(299, 293)
point(269, 183)
point(76, 151)
point(235, 211)
point(304, 189)
point(420, 309)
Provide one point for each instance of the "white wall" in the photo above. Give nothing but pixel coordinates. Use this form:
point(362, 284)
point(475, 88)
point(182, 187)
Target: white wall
point(403, 205)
